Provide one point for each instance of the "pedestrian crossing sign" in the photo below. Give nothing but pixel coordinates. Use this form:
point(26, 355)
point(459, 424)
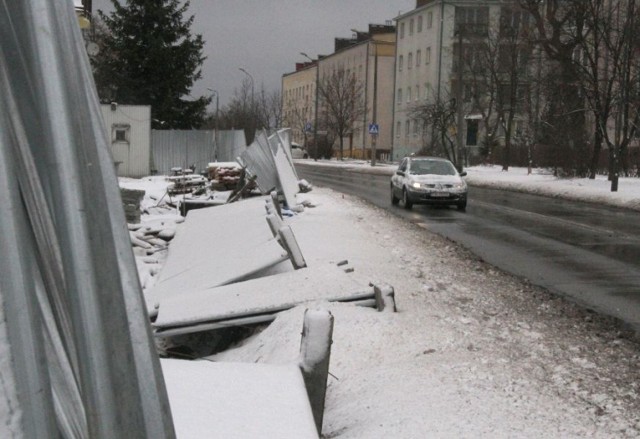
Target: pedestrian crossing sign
point(373, 128)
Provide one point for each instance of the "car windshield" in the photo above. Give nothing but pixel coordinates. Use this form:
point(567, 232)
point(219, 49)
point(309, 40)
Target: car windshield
point(434, 167)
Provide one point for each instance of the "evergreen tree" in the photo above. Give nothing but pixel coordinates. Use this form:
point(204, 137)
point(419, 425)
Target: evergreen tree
point(149, 57)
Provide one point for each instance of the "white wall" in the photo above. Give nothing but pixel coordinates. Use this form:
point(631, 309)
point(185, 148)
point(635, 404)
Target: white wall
point(128, 129)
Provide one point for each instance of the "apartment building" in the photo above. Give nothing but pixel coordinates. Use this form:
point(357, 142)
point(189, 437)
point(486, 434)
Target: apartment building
point(424, 72)
point(370, 57)
point(298, 101)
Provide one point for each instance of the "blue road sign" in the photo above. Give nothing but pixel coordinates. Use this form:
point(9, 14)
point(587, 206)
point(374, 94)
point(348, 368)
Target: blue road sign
point(307, 127)
point(374, 128)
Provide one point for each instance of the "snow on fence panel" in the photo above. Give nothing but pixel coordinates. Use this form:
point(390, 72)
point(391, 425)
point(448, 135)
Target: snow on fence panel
point(217, 246)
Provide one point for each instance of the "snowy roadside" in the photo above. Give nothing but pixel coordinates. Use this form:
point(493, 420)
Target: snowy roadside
point(472, 352)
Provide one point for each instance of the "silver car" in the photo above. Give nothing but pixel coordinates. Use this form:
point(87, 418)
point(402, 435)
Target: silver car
point(428, 180)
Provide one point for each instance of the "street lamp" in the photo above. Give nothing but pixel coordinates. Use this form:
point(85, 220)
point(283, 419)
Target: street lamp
point(459, 110)
point(315, 111)
point(216, 123)
point(253, 130)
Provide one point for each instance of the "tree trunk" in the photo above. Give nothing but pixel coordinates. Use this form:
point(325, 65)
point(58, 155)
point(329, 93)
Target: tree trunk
point(595, 154)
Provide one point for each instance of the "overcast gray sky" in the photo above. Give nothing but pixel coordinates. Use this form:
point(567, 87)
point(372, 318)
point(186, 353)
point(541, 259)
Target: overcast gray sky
point(265, 37)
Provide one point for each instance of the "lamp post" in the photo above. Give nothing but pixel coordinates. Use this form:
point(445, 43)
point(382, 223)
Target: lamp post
point(315, 111)
point(217, 115)
point(459, 110)
point(253, 116)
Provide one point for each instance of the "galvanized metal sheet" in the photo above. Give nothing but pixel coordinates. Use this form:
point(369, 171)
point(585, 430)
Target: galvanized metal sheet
point(75, 259)
point(182, 148)
point(258, 160)
point(230, 145)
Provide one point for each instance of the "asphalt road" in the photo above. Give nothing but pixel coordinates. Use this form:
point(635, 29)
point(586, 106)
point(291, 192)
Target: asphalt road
point(588, 253)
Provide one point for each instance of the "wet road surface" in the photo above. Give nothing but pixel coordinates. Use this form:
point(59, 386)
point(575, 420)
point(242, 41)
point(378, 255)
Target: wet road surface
point(583, 251)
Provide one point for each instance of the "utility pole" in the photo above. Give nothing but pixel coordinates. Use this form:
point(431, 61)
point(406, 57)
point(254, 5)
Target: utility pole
point(216, 124)
point(374, 137)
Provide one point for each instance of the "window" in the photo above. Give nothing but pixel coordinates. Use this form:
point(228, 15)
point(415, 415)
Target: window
point(467, 92)
point(399, 96)
point(120, 132)
point(411, 27)
point(400, 62)
point(420, 23)
point(415, 127)
point(398, 129)
point(472, 20)
point(427, 55)
point(426, 90)
point(407, 128)
point(418, 58)
point(410, 61)
point(417, 92)
point(429, 20)
point(513, 20)
point(401, 30)
point(472, 132)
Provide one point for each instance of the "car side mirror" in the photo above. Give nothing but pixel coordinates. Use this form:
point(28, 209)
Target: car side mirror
point(463, 174)
point(400, 173)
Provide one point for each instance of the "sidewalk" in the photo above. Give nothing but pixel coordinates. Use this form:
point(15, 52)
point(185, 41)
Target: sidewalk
point(472, 352)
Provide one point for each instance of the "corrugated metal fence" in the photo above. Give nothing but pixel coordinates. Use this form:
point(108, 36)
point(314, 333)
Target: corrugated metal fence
point(181, 148)
point(231, 143)
point(184, 148)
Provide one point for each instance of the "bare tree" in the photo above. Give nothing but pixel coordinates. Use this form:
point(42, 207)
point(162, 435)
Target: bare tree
point(438, 120)
point(611, 77)
point(494, 67)
point(557, 29)
point(268, 109)
point(596, 43)
point(342, 104)
point(240, 112)
point(296, 116)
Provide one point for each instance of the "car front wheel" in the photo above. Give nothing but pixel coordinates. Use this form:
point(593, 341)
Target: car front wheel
point(394, 200)
point(405, 200)
point(462, 205)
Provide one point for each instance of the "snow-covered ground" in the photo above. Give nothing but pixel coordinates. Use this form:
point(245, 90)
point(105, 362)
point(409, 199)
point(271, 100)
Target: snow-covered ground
point(472, 352)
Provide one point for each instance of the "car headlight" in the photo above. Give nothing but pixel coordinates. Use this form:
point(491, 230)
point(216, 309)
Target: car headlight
point(460, 186)
point(416, 185)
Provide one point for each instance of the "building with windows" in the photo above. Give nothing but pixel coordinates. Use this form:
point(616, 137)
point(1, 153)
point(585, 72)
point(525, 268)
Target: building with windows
point(368, 56)
point(427, 49)
point(298, 101)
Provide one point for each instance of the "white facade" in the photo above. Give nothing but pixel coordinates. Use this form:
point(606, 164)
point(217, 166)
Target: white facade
point(372, 62)
point(298, 101)
point(424, 62)
point(128, 129)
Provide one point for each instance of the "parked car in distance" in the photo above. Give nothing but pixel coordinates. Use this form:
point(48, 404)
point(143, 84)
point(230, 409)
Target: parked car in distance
point(298, 152)
point(428, 180)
